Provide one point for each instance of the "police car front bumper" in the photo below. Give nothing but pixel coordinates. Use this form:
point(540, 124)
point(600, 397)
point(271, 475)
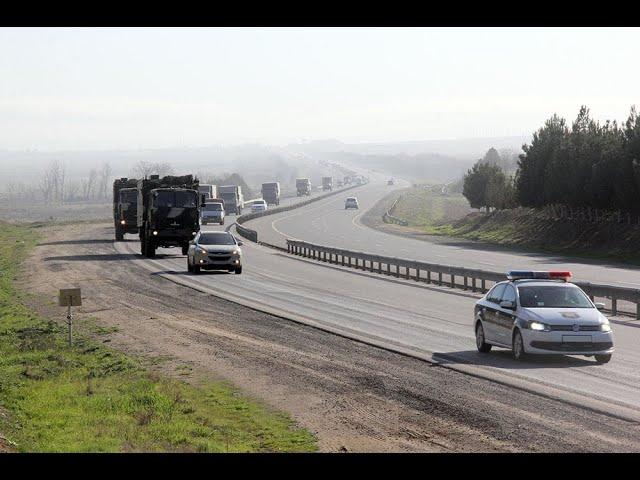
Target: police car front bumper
point(567, 343)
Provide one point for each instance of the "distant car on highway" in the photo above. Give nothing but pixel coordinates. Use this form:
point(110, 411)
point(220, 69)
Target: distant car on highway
point(214, 251)
point(258, 206)
point(212, 213)
point(390, 181)
point(542, 313)
point(351, 202)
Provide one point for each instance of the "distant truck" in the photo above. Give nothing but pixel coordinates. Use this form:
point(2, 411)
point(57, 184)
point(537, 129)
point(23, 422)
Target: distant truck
point(207, 191)
point(327, 183)
point(125, 204)
point(233, 199)
point(303, 186)
point(168, 212)
point(347, 180)
point(271, 193)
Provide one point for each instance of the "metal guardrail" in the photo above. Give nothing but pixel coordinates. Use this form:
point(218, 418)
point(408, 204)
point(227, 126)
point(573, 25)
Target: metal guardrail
point(387, 217)
point(252, 235)
point(475, 280)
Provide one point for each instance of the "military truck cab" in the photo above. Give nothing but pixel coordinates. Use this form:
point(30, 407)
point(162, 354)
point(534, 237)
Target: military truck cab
point(125, 206)
point(168, 213)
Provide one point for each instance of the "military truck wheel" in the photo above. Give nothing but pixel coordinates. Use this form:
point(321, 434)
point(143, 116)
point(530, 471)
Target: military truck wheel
point(189, 267)
point(195, 269)
point(119, 236)
point(143, 250)
point(238, 270)
point(151, 250)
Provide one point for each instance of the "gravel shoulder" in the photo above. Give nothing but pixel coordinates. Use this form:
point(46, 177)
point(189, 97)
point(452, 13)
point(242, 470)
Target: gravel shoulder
point(354, 397)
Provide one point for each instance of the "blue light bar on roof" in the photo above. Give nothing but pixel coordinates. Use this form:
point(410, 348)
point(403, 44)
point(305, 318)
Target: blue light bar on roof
point(524, 274)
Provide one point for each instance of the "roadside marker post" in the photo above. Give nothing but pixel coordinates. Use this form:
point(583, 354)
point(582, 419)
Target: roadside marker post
point(70, 297)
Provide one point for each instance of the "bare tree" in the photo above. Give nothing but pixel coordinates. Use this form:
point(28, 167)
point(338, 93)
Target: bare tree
point(105, 176)
point(144, 168)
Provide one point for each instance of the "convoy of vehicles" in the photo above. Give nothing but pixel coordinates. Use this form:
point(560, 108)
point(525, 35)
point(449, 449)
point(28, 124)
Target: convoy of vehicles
point(542, 313)
point(258, 206)
point(214, 251)
point(303, 186)
point(271, 193)
point(351, 202)
point(327, 183)
point(125, 205)
point(212, 212)
point(167, 213)
point(233, 198)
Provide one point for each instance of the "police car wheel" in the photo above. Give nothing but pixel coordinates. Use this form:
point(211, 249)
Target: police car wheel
point(517, 348)
point(195, 269)
point(603, 358)
point(482, 346)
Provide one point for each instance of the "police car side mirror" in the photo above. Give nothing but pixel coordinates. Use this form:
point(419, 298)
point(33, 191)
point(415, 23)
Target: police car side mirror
point(599, 305)
point(508, 304)
point(240, 243)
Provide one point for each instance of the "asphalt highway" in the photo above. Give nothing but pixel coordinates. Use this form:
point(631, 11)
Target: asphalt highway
point(428, 322)
point(327, 223)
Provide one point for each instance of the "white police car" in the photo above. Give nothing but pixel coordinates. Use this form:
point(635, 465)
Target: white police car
point(542, 313)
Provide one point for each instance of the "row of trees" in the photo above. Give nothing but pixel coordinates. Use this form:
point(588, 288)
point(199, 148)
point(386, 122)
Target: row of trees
point(56, 187)
point(588, 165)
point(490, 182)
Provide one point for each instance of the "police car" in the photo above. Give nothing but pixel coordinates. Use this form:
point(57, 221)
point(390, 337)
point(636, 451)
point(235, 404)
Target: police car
point(542, 313)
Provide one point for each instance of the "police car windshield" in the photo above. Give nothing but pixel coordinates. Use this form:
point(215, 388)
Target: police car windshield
point(213, 206)
point(552, 296)
point(216, 238)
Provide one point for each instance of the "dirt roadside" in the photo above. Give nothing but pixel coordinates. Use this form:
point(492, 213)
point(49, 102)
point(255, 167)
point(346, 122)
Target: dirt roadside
point(354, 397)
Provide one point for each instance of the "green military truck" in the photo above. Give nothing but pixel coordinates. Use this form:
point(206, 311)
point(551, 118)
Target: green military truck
point(125, 206)
point(168, 212)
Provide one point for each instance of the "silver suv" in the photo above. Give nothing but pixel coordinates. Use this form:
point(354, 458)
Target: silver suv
point(214, 251)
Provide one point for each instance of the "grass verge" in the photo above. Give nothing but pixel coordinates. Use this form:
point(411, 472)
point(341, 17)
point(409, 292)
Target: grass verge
point(518, 228)
point(92, 398)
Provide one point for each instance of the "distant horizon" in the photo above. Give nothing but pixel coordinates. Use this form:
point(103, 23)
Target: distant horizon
point(263, 144)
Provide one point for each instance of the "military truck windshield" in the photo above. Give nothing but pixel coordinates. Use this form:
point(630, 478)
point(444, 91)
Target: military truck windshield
point(553, 296)
point(213, 207)
point(180, 199)
point(216, 238)
point(128, 196)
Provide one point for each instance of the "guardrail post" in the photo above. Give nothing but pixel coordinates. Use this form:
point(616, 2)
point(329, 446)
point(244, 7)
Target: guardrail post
point(388, 269)
point(483, 285)
point(342, 256)
point(466, 280)
point(407, 277)
point(473, 284)
point(439, 278)
point(397, 270)
point(614, 306)
point(638, 309)
point(453, 281)
point(417, 274)
point(428, 277)
point(371, 265)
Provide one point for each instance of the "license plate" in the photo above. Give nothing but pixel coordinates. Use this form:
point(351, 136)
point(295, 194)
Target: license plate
point(576, 339)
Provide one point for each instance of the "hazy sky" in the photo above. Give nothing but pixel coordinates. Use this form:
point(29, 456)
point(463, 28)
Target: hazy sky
point(82, 88)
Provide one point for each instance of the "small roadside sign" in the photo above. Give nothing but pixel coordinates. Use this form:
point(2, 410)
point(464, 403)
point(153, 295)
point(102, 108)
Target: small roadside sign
point(69, 297)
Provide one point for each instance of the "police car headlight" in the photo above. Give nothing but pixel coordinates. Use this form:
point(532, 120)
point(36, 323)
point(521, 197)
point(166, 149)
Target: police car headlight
point(202, 251)
point(155, 232)
point(605, 327)
point(540, 327)
point(235, 252)
point(122, 222)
